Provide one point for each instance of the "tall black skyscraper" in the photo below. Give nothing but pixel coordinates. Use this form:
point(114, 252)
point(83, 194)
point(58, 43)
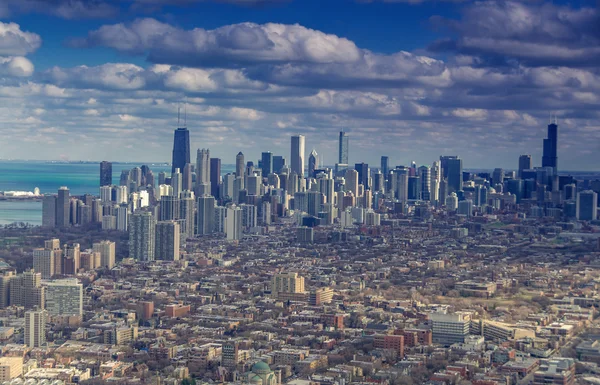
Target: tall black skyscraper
point(105, 173)
point(385, 166)
point(363, 174)
point(278, 163)
point(266, 163)
point(181, 149)
point(524, 164)
point(550, 156)
point(215, 176)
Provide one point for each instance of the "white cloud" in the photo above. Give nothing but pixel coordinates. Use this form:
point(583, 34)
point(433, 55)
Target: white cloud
point(15, 66)
point(15, 42)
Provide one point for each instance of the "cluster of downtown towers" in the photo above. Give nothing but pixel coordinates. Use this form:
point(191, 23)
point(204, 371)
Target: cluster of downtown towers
point(197, 200)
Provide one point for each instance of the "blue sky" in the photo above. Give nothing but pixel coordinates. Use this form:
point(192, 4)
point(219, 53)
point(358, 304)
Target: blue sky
point(412, 79)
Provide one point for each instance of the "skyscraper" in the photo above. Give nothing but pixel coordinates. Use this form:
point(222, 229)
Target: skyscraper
point(43, 262)
point(62, 207)
point(524, 164)
point(202, 167)
point(26, 290)
point(385, 166)
point(167, 241)
point(142, 231)
point(35, 328)
point(313, 163)
point(233, 223)
point(176, 182)
point(454, 173)
point(240, 165)
point(587, 206)
point(278, 163)
point(363, 174)
point(105, 173)
point(49, 211)
point(297, 155)
point(550, 156)
point(266, 161)
point(187, 205)
point(215, 176)
point(343, 148)
point(206, 215)
point(181, 149)
point(424, 173)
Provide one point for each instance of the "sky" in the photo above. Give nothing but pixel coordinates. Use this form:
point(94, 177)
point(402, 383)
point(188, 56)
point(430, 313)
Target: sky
point(410, 79)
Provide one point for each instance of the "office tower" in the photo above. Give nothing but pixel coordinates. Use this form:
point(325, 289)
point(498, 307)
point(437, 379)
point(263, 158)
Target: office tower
point(314, 201)
point(240, 165)
point(278, 163)
point(454, 169)
point(274, 181)
point(289, 283)
point(202, 167)
point(142, 231)
point(43, 262)
point(206, 215)
point(313, 163)
point(326, 187)
point(49, 211)
point(351, 178)
point(5, 279)
point(550, 155)
point(169, 208)
point(186, 177)
point(465, 207)
point(107, 253)
point(498, 176)
point(515, 187)
point(297, 155)
point(167, 241)
point(63, 207)
point(414, 187)
point(249, 216)
point(524, 164)
point(105, 173)
point(71, 259)
point(226, 191)
point(181, 149)
point(266, 162)
point(424, 173)
point(233, 223)
point(54, 245)
point(35, 328)
point(124, 178)
point(26, 290)
point(448, 329)
point(162, 177)
point(363, 174)
point(401, 187)
point(176, 183)
point(135, 180)
point(187, 206)
point(587, 205)
point(343, 148)
point(215, 177)
point(253, 185)
point(385, 166)
point(64, 297)
point(569, 191)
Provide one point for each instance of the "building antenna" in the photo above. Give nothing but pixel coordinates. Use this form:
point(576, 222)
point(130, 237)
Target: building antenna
point(185, 113)
point(178, 114)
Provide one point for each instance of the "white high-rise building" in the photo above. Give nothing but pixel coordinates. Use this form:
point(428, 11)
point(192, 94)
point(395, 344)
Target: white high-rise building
point(35, 328)
point(121, 194)
point(249, 216)
point(107, 253)
point(452, 202)
point(176, 182)
point(106, 194)
point(64, 297)
point(351, 178)
point(203, 169)
point(233, 223)
point(297, 155)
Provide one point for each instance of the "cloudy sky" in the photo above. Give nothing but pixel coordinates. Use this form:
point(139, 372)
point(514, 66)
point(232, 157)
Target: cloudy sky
point(411, 79)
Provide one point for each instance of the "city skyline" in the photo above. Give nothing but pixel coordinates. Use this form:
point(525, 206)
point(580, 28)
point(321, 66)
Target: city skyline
point(279, 69)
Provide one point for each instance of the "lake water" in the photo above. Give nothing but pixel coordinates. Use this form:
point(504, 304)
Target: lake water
point(80, 178)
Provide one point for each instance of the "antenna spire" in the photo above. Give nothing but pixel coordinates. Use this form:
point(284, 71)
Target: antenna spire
point(185, 113)
point(178, 114)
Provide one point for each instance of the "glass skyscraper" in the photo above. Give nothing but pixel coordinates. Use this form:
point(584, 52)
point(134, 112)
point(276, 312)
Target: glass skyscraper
point(550, 156)
point(343, 154)
point(181, 149)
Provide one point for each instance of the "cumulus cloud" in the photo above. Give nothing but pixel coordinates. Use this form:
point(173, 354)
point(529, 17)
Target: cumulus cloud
point(244, 43)
point(14, 41)
point(532, 33)
point(15, 66)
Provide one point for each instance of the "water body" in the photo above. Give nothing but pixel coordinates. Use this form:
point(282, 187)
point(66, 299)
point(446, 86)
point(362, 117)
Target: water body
point(80, 178)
